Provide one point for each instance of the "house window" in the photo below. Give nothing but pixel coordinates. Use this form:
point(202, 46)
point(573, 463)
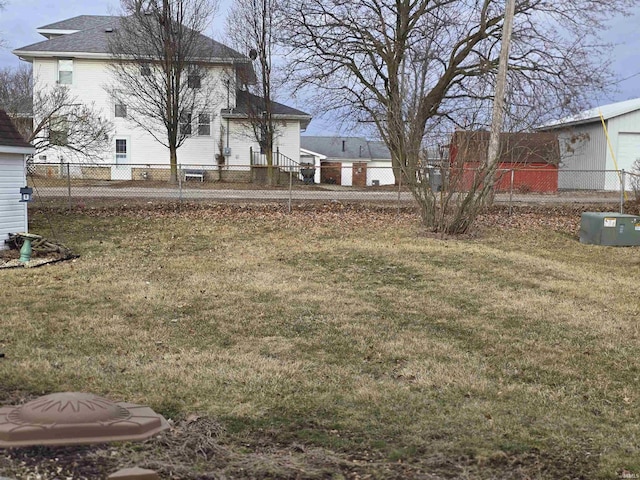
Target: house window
point(121, 151)
point(193, 79)
point(65, 72)
point(185, 124)
point(204, 124)
point(121, 110)
point(145, 70)
point(58, 131)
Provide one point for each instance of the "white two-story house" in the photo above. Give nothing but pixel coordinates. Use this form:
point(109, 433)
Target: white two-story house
point(76, 53)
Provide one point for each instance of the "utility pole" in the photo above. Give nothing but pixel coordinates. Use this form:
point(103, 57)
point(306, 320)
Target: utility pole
point(497, 118)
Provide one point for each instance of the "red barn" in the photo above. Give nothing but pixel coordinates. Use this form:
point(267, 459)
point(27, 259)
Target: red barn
point(533, 157)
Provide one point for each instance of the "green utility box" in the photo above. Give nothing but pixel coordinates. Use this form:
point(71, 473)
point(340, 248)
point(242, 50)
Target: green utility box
point(608, 228)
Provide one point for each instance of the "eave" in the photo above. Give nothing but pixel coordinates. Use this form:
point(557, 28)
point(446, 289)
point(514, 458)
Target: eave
point(21, 150)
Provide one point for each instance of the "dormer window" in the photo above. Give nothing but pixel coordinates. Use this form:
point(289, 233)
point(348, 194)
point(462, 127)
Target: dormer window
point(65, 72)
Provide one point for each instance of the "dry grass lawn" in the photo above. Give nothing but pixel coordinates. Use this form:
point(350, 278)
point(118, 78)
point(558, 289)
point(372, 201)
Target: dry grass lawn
point(333, 344)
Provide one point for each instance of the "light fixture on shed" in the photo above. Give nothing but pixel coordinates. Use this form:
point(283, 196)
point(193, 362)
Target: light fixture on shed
point(26, 194)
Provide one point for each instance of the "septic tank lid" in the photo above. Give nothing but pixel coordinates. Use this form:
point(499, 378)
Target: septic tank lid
point(73, 418)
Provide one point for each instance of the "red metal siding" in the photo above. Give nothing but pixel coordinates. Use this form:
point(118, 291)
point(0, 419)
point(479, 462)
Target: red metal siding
point(534, 178)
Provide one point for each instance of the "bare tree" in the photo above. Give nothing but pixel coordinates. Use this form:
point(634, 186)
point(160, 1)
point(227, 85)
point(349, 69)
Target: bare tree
point(415, 67)
point(250, 27)
point(52, 119)
point(3, 4)
point(62, 123)
point(160, 67)
point(16, 91)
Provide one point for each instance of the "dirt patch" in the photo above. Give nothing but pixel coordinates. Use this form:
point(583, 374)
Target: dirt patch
point(43, 252)
point(198, 448)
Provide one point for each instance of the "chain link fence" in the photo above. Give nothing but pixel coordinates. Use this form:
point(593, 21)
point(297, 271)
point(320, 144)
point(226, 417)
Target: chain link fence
point(70, 185)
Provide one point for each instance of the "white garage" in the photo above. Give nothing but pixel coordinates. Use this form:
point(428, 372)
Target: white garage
point(588, 162)
point(13, 152)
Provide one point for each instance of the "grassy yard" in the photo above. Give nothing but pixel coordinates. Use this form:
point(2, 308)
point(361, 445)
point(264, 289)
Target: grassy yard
point(333, 344)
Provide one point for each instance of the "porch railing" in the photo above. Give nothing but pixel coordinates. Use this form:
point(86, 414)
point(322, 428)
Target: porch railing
point(280, 161)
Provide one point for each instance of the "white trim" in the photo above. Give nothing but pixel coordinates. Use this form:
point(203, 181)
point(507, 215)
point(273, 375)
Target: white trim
point(315, 154)
point(55, 31)
point(22, 150)
point(23, 54)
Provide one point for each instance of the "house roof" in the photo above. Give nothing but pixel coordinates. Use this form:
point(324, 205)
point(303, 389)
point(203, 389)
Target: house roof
point(10, 139)
point(81, 22)
point(247, 103)
point(611, 110)
point(527, 148)
point(92, 39)
point(346, 147)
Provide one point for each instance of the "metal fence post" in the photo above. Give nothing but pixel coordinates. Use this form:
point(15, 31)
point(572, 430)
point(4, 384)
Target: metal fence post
point(180, 183)
point(511, 192)
point(290, 188)
point(399, 189)
point(622, 190)
point(69, 184)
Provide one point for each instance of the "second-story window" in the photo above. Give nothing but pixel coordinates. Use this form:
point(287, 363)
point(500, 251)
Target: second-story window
point(145, 70)
point(185, 124)
point(204, 124)
point(121, 110)
point(193, 80)
point(65, 72)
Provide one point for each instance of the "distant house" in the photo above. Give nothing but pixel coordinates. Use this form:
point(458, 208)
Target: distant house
point(348, 161)
point(533, 157)
point(585, 155)
point(13, 151)
point(76, 53)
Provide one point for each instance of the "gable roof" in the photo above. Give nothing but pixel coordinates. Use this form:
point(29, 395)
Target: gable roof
point(247, 103)
point(526, 148)
point(611, 110)
point(92, 40)
point(346, 147)
point(10, 139)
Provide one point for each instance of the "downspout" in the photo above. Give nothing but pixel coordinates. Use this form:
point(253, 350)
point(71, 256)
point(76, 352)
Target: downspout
point(228, 108)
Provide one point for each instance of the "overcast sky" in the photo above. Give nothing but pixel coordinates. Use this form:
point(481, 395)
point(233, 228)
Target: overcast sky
point(19, 20)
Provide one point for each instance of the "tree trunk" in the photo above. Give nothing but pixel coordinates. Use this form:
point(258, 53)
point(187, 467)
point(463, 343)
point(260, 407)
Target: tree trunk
point(173, 162)
point(270, 169)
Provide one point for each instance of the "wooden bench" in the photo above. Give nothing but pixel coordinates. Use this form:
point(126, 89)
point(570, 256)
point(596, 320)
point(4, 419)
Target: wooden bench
point(194, 173)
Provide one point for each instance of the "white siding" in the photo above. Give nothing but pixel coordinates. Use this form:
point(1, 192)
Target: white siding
point(380, 171)
point(583, 154)
point(621, 130)
point(90, 79)
point(288, 139)
point(242, 140)
point(13, 214)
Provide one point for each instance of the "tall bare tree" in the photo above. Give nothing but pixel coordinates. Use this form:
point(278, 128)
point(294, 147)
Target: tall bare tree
point(160, 67)
point(414, 67)
point(250, 27)
point(53, 119)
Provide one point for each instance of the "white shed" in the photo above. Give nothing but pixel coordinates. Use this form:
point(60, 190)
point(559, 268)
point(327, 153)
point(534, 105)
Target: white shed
point(13, 151)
